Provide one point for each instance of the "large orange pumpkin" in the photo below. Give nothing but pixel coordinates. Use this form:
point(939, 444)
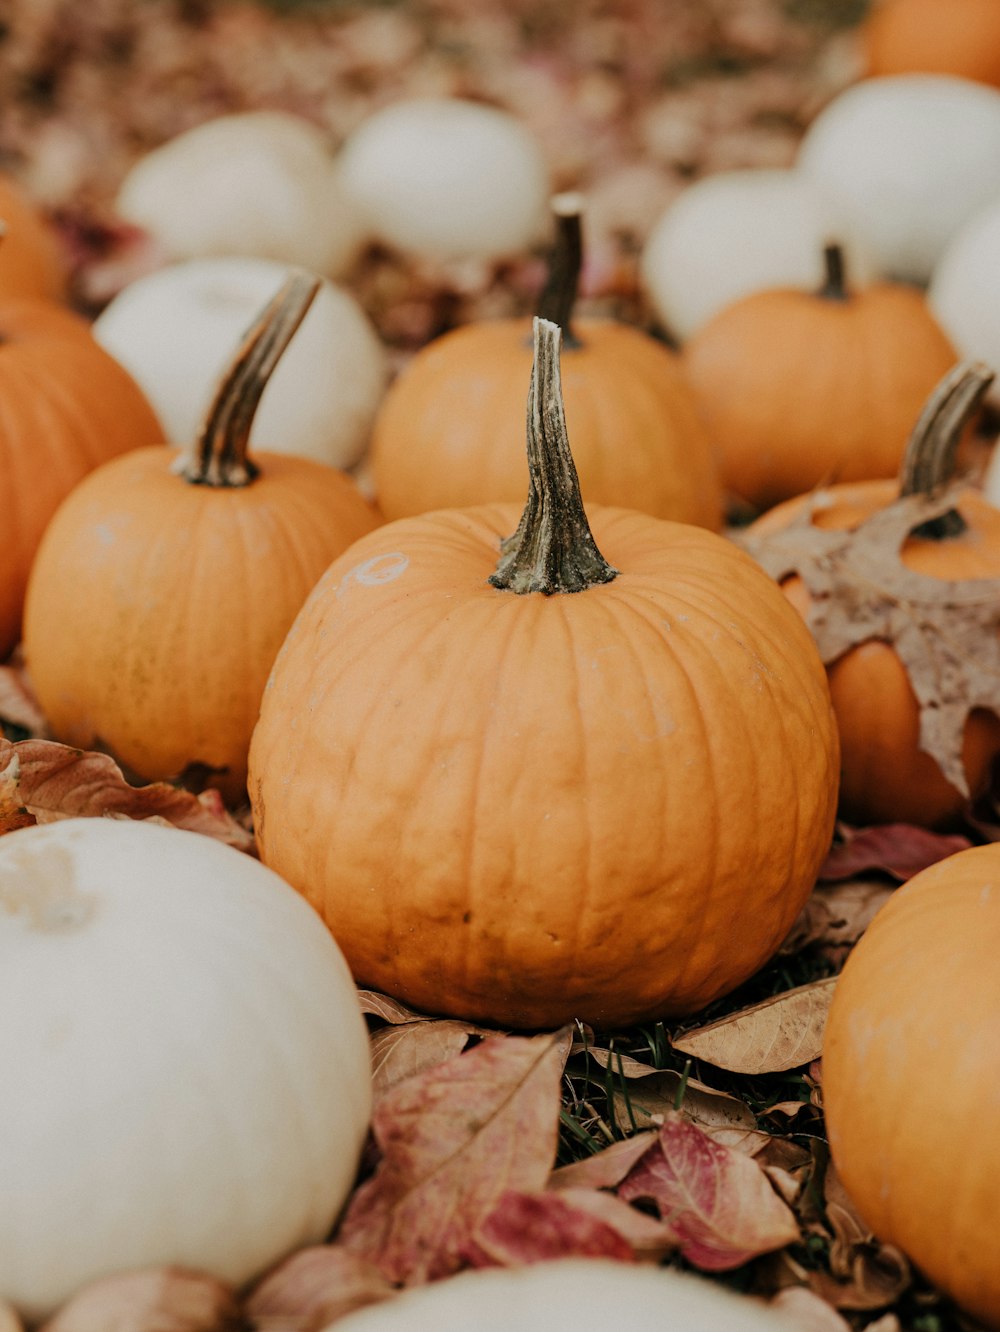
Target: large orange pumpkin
point(886, 777)
point(802, 389)
point(925, 36)
point(532, 786)
point(448, 433)
point(30, 260)
point(910, 1075)
point(158, 600)
point(65, 407)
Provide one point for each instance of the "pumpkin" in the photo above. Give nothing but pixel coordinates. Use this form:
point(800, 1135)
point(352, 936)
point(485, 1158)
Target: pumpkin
point(447, 179)
point(158, 600)
point(907, 159)
point(447, 432)
point(174, 331)
point(67, 407)
point(258, 183)
point(908, 36)
point(31, 263)
point(964, 291)
point(190, 1059)
point(921, 993)
point(799, 389)
point(565, 1296)
point(531, 788)
point(737, 232)
point(886, 776)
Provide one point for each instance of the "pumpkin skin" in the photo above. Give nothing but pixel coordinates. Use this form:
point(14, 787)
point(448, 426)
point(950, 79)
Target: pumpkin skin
point(212, 1088)
point(922, 991)
point(885, 776)
point(67, 407)
point(799, 390)
point(30, 260)
point(910, 36)
point(448, 433)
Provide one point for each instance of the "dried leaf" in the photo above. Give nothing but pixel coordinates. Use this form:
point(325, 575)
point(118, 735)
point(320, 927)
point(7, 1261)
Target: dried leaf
point(313, 1288)
point(779, 1033)
point(717, 1201)
point(604, 1169)
point(651, 1093)
point(400, 1052)
point(837, 916)
point(454, 1139)
point(900, 849)
point(864, 1273)
point(13, 815)
point(163, 1299)
point(536, 1227)
point(388, 1009)
point(807, 1311)
point(649, 1239)
point(945, 632)
point(18, 705)
point(57, 782)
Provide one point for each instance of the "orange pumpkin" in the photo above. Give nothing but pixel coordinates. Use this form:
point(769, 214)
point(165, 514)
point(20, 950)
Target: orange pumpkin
point(67, 406)
point(910, 1085)
point(547, 787)
point(30, 260)
point(158, 600)
point(802, 389)
point(961, 37)
point(885, 775)
point(448, 432)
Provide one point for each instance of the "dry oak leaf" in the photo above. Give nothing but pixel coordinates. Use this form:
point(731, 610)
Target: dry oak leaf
point(313, 1288)
point(838, 915)
point(945, 632)
point(900, 849)
point(538, 1227)
point(18, 704)
point(453, 1139)
point(779, 1033)
point(718, 1202)
point(55, 781)
point(163, 1299)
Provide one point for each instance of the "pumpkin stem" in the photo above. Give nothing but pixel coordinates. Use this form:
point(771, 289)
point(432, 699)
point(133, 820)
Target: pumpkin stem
point(553, 549)
point(560, 291)
point(929, 461)
point(219, 457)
point(834, 286)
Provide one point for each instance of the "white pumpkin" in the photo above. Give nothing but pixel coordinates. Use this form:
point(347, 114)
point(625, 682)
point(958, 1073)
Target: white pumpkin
point(567, 1296)
point(185, 1064)
point(175, 331)
point(448, 179)
point(908, 158)
point(736, 233)
point(964, 294)
point(257, 183)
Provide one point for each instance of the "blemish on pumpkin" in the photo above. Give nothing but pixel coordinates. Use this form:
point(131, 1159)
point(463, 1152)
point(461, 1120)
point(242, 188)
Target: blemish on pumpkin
point(467, 917)
point(39, 885)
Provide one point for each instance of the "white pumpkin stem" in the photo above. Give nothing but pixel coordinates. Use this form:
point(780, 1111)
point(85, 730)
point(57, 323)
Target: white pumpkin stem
point(219, 457)
point(929, 461)
point(565, 261)
point(834, 286)
point(553, 549)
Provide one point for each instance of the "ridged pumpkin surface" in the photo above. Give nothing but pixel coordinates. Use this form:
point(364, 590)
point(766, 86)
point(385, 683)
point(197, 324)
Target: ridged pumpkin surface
point(30, 262)
point(450, 432)
point(609, 804)
point(885, 776)
point(65, 407)
point(910, 1075)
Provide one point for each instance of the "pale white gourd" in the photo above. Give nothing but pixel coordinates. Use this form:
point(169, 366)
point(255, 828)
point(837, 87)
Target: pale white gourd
point(448, 179)
point(908, 158)
point(175, 331)
point(568, 1296)
point(185, 1064)
point(964, 293)
point(736, 233)
point(258, 183)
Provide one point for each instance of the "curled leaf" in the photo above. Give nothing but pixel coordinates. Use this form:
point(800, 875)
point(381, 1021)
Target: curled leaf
point(900, 849)
point(604, 1169)
point(18, 705)
point(837, 915)
point(400, 1052)
point(538, 1227)
point(163, 1299)
point(312, 1288)
point(779, 1033)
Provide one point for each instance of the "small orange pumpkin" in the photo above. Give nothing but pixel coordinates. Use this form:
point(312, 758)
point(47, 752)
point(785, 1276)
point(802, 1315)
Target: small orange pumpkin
point(30, 261)
point(886, 777)
point(523, 784)
point(961, 37)
point(158, 600)
point(448, 432)
point(802, 389)
point(67, 406)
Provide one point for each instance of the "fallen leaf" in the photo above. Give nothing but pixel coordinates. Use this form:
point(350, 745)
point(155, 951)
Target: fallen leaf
point(658, 1091)
point(779, 1033)
point(864, 1273)
point(537, 1227)
point(808, 1311)
point(13, 815)
point(388, 1009)
point(837, 916)
point(649, 1239)
point(313, 1288)
point(18, 705)
point(453, 1139)
point(400, 1052)
point(900, 849)
point(163, 1299)
point(717, 1201)
point(604, 1169)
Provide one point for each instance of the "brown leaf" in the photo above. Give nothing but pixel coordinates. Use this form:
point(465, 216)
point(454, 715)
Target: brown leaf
point(163, 1299)
point(313, 1288)
point(400, 1052)
point(779, 1033)
point(651, 1093)
point(649, 1239)
point(838, 915)
point(945, 632)
point(454, 1139)
point(18, 704)
point(900, 849)
point(13, 815)
point(864, 1273)
point(537, 1227)
point(388, 1009)
point(717, 1201)
point(57, 782)
point(808, 1311)
point(604, 1169)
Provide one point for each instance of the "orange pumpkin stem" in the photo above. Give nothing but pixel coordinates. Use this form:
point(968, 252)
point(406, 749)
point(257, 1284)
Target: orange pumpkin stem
point(929, 461)
point(553, 549)
point(834, 286)
point(219, 457)
point(560, 291)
